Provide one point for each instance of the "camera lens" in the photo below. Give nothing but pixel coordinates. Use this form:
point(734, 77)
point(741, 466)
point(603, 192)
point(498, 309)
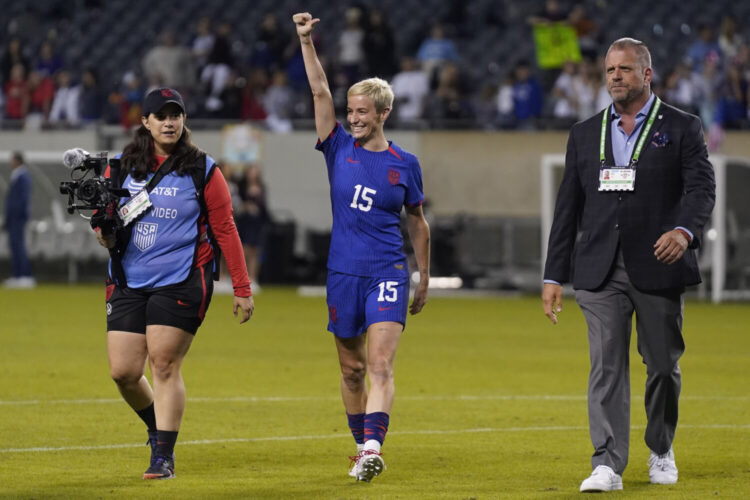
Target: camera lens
point(89, 191)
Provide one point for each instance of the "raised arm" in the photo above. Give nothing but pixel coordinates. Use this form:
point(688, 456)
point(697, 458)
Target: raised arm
point(325, 116)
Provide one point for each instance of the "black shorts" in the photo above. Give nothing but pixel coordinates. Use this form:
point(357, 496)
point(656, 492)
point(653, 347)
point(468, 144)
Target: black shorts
point(183, 305)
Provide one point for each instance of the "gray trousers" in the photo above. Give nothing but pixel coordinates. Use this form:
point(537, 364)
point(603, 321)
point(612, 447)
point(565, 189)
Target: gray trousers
point(609, 311)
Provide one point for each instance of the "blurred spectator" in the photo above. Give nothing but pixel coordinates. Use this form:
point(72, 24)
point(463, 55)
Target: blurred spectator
point(380, 47)
point(295, 65)
point(732, 106)
point(128, 100)
point(701, 48)
point(567, 92)
point(707, 86)
point(410, 87)
point(589, 35)
point(252, 220)
point(65, 106)
point(594, 96)
point(680, 90)
point(13, 55)
point(730, 40)
point(216, 73)
point(48, 62)
point(351, 51)
point(339, 88)
point(485, 112)
point(551, 12)
point(528, 98)
point(17, 94)
point(449, 101)
point(42, 89)
point(17, 214)
point(252, 96)
point(203, 43)
point(279, 103)
point(435, 52)
point(92, 97)
point(227, 105)
point(268, 50)
point(172, 62)
point(504, 103)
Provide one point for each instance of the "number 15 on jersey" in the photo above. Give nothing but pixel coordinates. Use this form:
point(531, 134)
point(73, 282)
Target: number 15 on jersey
point(365, 194)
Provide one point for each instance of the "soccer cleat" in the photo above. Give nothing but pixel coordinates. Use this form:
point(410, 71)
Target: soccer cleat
point(161, 468)
point(367, 465)
point(603, 478)
point(662, 469)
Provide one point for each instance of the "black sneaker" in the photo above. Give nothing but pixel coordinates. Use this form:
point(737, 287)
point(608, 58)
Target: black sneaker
point(161, 468)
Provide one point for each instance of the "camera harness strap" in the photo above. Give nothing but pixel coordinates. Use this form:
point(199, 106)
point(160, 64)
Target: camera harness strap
point(124, 234)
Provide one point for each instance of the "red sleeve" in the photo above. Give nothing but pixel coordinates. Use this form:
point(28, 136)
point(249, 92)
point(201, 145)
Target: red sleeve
point(221, 219)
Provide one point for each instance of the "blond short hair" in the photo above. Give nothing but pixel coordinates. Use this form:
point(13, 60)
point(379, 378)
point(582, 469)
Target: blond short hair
point(376, 89)
point(642, 53)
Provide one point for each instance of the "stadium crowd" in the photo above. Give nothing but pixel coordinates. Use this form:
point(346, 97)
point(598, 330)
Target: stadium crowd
point(228, 77)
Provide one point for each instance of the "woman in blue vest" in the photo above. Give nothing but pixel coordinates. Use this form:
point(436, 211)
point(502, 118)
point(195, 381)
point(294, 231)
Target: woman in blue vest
point(160, 284)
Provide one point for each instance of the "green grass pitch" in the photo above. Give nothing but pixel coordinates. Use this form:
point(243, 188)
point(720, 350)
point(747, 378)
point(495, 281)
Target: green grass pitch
point(490, 403)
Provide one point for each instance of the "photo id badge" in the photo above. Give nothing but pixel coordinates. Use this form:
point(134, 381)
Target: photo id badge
point(134, 207)
point(616, 178)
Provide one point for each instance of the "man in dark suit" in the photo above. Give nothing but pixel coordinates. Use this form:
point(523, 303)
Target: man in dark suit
point(635, 195)
point(17, 211)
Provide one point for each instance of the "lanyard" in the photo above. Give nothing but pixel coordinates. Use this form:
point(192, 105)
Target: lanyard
point(641, 139)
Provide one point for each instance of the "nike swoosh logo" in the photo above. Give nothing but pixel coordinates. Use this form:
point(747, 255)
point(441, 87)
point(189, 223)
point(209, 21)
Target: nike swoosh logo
point(351, 161)
point(182, 303)
point(384, 308)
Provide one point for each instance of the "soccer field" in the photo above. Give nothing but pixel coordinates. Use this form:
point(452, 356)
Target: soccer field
point(490, 403)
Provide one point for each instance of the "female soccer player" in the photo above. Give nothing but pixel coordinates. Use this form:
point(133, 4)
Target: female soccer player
point(368, 279)
point(160, 284)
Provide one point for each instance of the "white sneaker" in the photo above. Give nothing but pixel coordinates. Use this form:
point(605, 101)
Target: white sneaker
point(603, 478)
point(367, 465)
point(662, 468)
point(25, 282)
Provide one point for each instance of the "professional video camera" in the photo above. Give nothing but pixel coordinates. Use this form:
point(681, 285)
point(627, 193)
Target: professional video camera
point(91, 190)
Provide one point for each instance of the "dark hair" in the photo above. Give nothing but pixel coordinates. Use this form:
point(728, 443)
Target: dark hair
point(18, 156)
point(138, 156)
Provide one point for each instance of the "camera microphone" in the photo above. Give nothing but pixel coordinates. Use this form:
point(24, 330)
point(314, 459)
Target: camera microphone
point(74, 158)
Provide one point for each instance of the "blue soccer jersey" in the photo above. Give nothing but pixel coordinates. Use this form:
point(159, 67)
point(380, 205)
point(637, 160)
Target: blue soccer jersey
point(368, 190)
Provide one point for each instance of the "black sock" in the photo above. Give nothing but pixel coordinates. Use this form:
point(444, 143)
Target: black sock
point(148, 416)
point(165, 441)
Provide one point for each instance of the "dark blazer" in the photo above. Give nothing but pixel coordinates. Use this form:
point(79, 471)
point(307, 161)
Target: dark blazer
point(18, 204)
point(674, 186)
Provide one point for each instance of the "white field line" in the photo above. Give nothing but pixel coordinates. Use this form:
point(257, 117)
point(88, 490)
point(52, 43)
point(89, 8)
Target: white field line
point(45, 449)
point(283, 399)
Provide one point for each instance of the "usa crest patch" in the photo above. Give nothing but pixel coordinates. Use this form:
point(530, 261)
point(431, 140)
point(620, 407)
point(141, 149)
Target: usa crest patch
point(144, 235)
point(393, 176)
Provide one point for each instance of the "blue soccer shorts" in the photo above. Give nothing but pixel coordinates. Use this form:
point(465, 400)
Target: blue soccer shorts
point(356, 302)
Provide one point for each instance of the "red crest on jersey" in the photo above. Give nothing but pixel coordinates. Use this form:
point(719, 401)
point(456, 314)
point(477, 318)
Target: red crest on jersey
point(167, 93)
point(393, 176)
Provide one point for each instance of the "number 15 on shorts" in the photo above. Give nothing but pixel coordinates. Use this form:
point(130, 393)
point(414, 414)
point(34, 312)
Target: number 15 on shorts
point(388, 291)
